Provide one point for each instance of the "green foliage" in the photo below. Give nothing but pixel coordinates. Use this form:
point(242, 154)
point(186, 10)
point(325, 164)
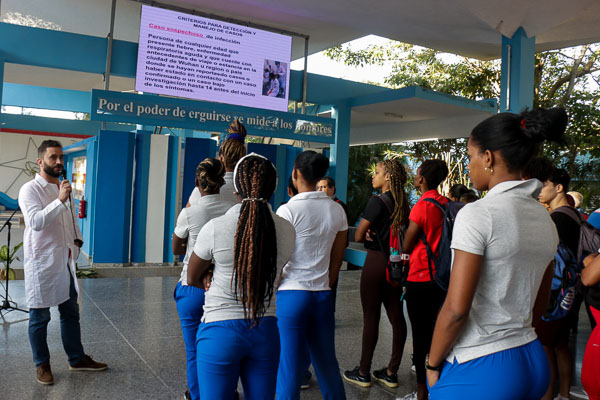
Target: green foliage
point(85, 273)
point(7, 258)
point(569, 78)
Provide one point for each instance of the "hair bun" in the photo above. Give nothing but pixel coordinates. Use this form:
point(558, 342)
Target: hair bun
point(236, 131)
point(544, 124)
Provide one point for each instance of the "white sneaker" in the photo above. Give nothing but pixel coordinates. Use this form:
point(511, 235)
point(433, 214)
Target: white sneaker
point(413, 368)
point(411, 396)
point(578, 392)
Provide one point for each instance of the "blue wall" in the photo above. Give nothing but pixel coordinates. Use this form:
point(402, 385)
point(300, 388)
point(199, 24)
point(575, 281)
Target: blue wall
point(112, 203)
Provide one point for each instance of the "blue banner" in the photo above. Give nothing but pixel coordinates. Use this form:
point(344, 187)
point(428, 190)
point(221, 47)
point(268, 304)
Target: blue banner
point(204, 116)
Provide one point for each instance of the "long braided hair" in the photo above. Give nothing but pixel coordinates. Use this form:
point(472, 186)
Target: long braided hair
point(255, 244)
point(209, 175)
point(232, 148)
point(398, 177)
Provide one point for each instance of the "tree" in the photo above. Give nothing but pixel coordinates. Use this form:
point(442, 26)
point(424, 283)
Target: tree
point(569, 78)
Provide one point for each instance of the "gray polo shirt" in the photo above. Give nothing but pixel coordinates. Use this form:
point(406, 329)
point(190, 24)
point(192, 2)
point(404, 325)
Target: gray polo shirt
point(517, 239)
point(215, 242)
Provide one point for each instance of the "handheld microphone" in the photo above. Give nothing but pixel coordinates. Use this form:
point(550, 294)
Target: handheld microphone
point(63, 175)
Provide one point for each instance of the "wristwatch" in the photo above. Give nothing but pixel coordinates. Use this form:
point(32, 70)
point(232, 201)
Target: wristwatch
point(430, 367)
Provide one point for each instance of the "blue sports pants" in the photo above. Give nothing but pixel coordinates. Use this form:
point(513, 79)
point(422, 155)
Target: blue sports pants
point(229, 350)
point(306, 318)
point(189, 301)
point(521, 373)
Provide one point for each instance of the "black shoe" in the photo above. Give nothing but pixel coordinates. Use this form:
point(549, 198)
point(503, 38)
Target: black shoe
point(382, 376)
point(356, 378)
point(306, 380)
point(187, 395)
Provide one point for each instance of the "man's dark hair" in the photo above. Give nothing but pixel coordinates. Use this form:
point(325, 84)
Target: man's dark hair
point(560, 176)
point(312, 165)
point(540, 168)
point(457, 190)
point(434, 172)
point(46, 144)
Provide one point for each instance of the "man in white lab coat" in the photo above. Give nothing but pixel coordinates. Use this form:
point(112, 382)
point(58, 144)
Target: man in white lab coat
point(51, 245)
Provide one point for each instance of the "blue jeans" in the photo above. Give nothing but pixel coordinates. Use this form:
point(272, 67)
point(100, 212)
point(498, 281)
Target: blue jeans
point(229, 350)
point(520, 373)
point(304, 319)
point(189, 301)
point(70, 331)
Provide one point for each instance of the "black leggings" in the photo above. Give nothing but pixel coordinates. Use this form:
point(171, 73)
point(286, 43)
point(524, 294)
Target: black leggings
point(423, 303)
point(374, 290)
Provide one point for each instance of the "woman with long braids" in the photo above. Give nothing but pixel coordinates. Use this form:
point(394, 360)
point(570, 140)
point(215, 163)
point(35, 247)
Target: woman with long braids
point(389, 209)
point(304, 301)
point(190, 299)
point(249, 246)
point(230, 152)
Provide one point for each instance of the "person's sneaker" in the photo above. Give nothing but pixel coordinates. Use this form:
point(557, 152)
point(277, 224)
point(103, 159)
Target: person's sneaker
point(44, 374)
point(87, 364)
point(187, 395)
point(356, 378)
point(382, 376)
point(306, 380)
point(412, 364)
point(410, 396)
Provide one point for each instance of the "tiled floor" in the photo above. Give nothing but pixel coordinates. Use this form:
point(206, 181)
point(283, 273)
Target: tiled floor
point(132, 324)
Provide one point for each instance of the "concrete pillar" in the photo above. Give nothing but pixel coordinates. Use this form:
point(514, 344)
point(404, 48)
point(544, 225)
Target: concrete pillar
point(517, 72)
point(340, 150)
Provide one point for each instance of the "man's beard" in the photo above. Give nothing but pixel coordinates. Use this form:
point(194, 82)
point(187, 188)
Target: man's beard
point(50, 171)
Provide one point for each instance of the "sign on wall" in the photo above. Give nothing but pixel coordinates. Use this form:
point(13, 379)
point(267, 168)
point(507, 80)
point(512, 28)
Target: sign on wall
point(185, 55)
point(212, 117)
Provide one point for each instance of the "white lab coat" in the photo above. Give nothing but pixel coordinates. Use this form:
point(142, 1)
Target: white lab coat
point(47, 240)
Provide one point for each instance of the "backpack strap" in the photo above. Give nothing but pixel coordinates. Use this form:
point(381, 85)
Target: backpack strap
point(571, 212)
point(428, 249)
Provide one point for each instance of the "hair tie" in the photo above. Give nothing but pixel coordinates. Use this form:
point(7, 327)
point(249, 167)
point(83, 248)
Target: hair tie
point(523, 123)
point(254, 199)
point(235, 136)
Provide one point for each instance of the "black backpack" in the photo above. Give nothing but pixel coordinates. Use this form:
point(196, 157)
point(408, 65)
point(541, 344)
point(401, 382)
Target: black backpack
point(443, 262)
point(589, 237)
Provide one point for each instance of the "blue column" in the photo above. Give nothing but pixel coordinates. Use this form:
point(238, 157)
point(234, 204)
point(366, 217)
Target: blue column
point(112, 208)
point(340, 150)
point(1, 82)
point(517, 72)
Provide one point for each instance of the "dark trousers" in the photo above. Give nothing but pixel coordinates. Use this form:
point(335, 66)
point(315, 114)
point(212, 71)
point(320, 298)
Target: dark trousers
point(70, 331)
point(375, 291)
point(423, 303)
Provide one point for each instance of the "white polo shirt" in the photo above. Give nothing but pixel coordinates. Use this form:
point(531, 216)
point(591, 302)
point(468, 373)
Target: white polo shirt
point(317, 221)
point(517, 239)
point(192, 219)
point(227, 191)
point(215, 242)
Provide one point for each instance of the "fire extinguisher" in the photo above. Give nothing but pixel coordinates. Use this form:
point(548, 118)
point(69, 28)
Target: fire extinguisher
point(82, 207)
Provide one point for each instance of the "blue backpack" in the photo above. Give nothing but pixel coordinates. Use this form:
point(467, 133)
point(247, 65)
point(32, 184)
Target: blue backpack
point(443, 262)
point(564, 284)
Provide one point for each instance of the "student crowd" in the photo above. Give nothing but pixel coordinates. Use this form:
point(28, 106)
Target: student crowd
point(256, 297)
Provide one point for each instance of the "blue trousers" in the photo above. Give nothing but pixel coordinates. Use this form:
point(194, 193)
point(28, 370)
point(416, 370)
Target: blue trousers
point(304, 319)
point(229, 350)
point(521, 373)
point(70, 331)
point(189, 301)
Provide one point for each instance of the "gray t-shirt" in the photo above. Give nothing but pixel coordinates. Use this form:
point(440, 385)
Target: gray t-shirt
point(215, 242)
point(517, 239)
point(192, 219)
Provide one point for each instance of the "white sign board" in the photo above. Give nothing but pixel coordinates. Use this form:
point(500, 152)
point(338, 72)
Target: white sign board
point(199, 58)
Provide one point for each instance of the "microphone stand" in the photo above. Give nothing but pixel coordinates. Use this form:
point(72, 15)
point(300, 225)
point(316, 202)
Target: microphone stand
point(8, 304)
